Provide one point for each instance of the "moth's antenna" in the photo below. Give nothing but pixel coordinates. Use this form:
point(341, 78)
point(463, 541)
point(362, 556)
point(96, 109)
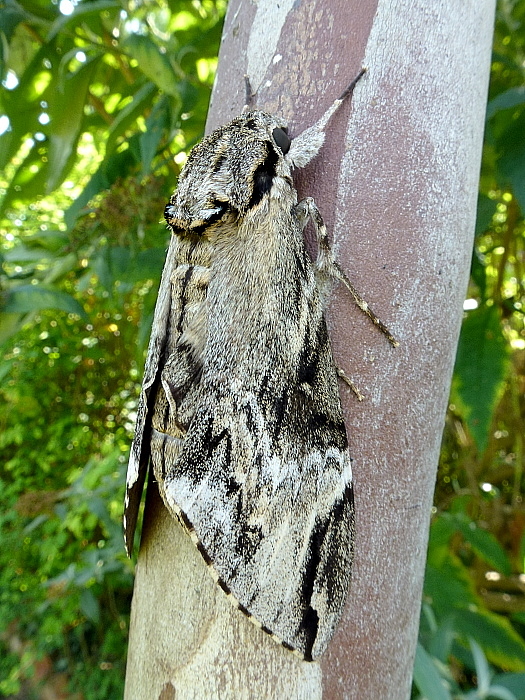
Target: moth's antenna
point(248, 95)
point(352, 85)
point(305, 146)
point(321, 124)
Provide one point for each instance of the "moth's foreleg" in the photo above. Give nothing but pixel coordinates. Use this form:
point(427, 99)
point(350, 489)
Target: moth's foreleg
point(326, 266)
point(325, 261)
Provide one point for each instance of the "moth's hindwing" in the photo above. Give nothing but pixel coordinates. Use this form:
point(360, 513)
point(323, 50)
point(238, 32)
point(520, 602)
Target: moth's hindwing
point(240, 410)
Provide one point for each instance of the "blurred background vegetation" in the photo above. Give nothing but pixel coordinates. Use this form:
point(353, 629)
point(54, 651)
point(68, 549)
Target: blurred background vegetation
point(100, 102)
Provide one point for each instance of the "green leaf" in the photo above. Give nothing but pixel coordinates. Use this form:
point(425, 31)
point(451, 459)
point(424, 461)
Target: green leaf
point(511, 147)
point(478, 273)
point(483, 543)
point(449, 587)
point(42, 245)
point(441, 641)
point(495, 635)
point(427, 678)
point(497, 692)
point(33, 297)
point(482, 667)
point(515, 682)
point(82, 13)
point(11, 14)
point(52, 240)
point(28, 181)
point(485, 211)
point(480, 369)
point(512, 97)
point(129, 114)
point(153, 63)
point(22, 105)
point(9, 325)
point(22, 253)
point(156, 125)
point(67, 113)
point(89, 605)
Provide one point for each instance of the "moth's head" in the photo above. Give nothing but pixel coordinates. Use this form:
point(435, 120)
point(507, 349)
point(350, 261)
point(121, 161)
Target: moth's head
point(231, 171)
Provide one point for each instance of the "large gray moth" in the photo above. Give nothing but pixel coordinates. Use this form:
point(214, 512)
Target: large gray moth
point(240, 412)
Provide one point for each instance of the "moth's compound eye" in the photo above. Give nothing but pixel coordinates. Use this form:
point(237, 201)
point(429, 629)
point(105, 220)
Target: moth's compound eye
point(282, 139)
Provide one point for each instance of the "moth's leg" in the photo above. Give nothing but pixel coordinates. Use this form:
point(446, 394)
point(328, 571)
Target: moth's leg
point(326, 266)
point(346, 379)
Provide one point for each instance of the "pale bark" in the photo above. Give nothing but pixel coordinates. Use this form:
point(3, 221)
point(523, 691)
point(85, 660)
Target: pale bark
point(396, 183)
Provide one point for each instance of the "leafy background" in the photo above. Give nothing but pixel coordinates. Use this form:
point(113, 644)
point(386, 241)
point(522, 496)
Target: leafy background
point(100, 103)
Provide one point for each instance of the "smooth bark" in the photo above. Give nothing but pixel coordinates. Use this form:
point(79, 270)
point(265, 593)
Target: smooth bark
point(396, 183)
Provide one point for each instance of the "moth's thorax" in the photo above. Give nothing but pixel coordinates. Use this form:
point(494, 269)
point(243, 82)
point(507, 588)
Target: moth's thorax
point(193, 249)
point(230, 172)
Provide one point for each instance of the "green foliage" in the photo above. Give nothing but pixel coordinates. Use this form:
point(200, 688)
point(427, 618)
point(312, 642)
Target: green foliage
point(98, 110)
point(436, 682)
point(481, 368)
point(451, 591)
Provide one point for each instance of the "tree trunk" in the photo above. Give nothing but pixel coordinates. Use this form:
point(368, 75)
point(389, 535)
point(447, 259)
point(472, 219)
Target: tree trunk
point(396, 182)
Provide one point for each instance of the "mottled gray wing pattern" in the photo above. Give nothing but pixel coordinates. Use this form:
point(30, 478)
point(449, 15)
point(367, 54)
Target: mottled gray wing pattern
point(262, 478)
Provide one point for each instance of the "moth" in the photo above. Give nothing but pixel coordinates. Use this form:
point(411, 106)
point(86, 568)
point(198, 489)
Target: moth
point(239, 413)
